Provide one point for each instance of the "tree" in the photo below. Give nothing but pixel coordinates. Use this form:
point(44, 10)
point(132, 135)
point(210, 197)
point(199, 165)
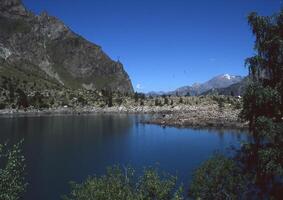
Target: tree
point(263, 104)
point(11, 92)
point(12, 168)
point(265, 94)
point(166, 101)
point(220, 103)
point(136, 97)
point(157, 102)
point(22, 99)
point(142, 96)
point(110, 101)
point(259, 163)
point(37, 101)
point(188, 94)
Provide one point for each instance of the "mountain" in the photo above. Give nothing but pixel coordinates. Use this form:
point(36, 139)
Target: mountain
point(236, 89)
point(221, 81)
point(44, 50)
point(155, 94)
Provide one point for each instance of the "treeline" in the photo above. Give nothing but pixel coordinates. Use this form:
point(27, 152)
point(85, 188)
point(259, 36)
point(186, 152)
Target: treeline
point(20, 94)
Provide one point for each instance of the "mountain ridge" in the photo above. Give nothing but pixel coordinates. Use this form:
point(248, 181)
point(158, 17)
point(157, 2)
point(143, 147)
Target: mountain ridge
point(217, 82)
point(220, 81)
point(236, 89)
point(44, 46)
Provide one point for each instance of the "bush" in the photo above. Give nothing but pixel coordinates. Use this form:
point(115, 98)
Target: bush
point(122, 184)
point(218, 178)
point(12, 167)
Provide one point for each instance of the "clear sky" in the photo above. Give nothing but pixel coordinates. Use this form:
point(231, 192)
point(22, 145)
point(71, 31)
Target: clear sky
point(165, 44)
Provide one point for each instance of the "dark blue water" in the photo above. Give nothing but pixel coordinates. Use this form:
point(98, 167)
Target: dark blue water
point(59, 149)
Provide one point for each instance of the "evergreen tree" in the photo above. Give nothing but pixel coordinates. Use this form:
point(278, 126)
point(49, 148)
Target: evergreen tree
point(22, 99)
point(263, 104)
point(110, 100)
point(136, 97)
point(166, 101)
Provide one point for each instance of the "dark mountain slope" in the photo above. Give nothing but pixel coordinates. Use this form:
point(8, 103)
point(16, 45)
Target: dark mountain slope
point(44, 48)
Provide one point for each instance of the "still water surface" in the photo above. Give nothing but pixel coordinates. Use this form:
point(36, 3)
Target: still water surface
point(59, 149)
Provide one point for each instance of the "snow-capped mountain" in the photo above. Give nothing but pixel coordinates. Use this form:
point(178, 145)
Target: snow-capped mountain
point(221, 81)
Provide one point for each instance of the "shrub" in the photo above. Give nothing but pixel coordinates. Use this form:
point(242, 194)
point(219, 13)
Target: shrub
point(12, 167)
point(218, 178)
point(123, 184)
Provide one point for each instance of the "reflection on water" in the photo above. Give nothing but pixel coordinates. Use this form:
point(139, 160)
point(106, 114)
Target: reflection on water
point(59, 149)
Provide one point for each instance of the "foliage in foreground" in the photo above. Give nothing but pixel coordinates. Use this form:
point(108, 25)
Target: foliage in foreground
point(218, 178)
point(123, 184)
point(12, 167)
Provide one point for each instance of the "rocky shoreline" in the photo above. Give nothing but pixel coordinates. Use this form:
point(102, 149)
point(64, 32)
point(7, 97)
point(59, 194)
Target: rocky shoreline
point(203, 116)
point(191, 121)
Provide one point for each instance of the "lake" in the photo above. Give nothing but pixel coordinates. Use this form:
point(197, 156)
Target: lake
point(59, 149)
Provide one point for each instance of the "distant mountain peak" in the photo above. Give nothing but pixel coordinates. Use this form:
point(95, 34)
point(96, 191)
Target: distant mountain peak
point(196, 85)
point(227, 76)
point(220, 81)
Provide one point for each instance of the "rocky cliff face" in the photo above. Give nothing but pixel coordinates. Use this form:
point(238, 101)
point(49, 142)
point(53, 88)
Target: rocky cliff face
point(44, 48)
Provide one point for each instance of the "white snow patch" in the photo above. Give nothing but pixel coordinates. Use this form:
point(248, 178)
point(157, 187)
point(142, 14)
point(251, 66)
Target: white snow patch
point(227, 76)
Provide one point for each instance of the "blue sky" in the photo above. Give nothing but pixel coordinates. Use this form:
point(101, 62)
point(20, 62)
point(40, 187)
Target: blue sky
point(165, 44)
